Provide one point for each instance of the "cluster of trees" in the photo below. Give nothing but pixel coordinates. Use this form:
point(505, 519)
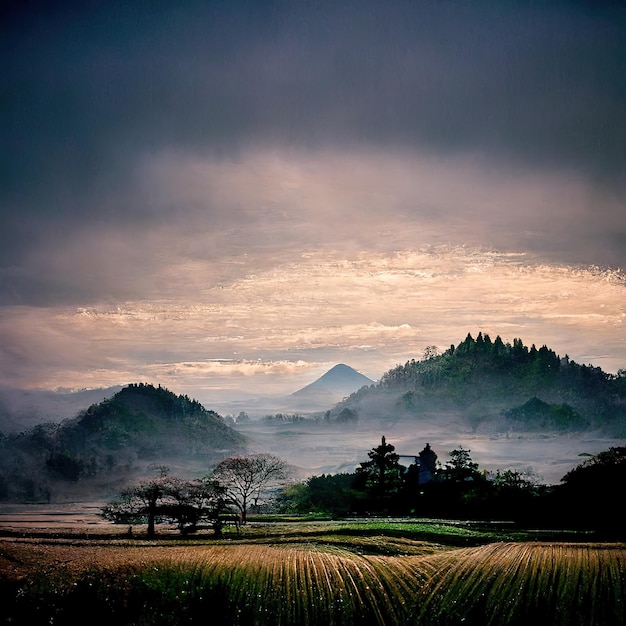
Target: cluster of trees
point(460, 489)
point(456, 489)
point(167, 498)
point(425, 488)
point(234, 485)
point(287, 418)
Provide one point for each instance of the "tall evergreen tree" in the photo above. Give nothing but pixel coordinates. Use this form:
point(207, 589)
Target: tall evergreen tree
point(383, 469)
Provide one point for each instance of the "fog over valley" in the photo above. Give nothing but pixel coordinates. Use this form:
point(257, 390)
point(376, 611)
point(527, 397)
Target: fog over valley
point(448, 400)
point(224, 201)
point(315, 450)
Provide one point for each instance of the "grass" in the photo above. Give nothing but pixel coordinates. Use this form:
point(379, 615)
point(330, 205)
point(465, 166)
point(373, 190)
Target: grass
point(520, 583)
point(334, 573)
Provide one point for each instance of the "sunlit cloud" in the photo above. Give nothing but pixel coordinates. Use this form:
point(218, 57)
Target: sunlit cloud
point(290, 323)
point(221, 194)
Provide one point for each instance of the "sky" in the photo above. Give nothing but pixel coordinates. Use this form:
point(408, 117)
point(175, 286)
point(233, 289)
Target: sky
point(232, 197)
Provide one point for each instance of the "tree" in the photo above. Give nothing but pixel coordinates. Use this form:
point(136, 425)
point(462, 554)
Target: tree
point(604, 468)
point(332, 494)
point(512, 494)
point(431, 352)
point(383, 469)
point(346, 416)
point(171, 499)
point(188, 502)
point(460, 467)
point(587, 494)
point(245, 478)
point(142, 501)
point(514, 481)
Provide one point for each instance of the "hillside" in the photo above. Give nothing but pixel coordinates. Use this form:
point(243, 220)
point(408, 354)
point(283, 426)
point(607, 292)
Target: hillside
point(488, 384)
point(139, 425)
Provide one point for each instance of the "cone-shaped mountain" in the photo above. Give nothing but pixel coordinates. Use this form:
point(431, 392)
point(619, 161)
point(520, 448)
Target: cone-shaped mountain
point(341, 379)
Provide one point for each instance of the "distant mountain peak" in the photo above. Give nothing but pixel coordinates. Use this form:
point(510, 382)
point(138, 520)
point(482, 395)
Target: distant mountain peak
point(340, 380)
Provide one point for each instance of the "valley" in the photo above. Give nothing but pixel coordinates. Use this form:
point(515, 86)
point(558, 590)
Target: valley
point(316, 449)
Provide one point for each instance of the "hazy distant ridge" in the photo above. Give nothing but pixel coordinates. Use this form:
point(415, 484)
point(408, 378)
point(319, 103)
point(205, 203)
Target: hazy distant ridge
point(341, 379)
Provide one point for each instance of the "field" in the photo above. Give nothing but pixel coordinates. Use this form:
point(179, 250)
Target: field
point(307, 573)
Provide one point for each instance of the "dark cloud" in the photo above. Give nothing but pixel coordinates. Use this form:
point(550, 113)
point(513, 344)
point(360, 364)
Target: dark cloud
point(83, 90)
point(89, 90)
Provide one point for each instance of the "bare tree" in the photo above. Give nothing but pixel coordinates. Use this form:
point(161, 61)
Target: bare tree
point(431, 352)
point(246, 478)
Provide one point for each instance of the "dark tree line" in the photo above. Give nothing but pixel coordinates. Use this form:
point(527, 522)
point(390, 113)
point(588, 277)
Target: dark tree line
point(459, 489)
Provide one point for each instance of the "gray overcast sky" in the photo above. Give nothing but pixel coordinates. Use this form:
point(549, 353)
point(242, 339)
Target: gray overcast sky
point(195, 189)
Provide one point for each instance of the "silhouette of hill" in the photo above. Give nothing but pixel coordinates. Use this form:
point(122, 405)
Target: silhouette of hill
point(485, 384)
point(112, 439)
point(541, 415)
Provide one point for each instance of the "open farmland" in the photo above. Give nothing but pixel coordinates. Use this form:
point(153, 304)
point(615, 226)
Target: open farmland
point(357, 572)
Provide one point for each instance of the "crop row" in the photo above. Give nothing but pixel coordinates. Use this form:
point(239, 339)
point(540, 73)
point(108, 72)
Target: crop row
point(497, 584)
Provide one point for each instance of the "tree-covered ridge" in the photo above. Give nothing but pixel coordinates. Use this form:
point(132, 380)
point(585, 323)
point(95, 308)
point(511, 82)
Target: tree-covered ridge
point(498, 378)
point(139, 424)
point(154, 421)
point(143, 398)
point(531, 367)
point(139, 404)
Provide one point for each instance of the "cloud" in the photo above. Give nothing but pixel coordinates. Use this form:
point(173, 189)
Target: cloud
point(268, 207)
point(298, 318)
point(90, 91)
point(290, 181)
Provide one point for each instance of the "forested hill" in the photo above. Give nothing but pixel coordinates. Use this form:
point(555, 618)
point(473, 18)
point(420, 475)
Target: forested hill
point(489, 382)
point(154, 420)
point(139, 425)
